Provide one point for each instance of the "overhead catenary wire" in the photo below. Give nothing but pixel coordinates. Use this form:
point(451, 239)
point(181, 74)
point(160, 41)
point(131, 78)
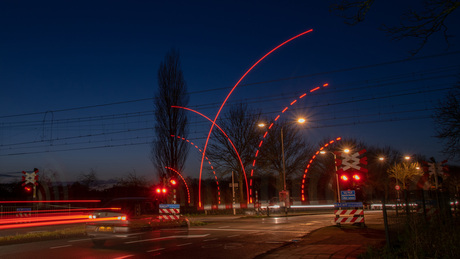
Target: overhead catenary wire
point(130, 122)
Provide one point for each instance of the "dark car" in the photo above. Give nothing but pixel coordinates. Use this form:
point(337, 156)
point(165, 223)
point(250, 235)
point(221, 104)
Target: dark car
point(124, 217)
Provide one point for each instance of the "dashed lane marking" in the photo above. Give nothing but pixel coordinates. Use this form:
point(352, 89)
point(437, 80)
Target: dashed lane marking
point(186, 244)
point(155, 250)
point(121, 257)
point(56, 247)
point(165, 238)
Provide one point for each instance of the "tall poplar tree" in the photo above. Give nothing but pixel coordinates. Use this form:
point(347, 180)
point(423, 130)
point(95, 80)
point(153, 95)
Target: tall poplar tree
point(172, 90)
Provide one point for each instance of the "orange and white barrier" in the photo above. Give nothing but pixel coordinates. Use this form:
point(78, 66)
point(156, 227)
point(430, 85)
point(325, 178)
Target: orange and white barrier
point(349, 216)
point(169, 213)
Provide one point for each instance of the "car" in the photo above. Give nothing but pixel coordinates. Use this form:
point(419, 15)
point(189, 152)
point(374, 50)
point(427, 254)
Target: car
point(124, 217)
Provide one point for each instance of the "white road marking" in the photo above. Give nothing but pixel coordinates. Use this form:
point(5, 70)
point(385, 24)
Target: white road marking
point(165, 238)
point(79, 240)
point(121, 257)
point(224, 227)
point(233, 235)
point(250, 230)
point(56, 247)
point(212, 239)
point(155, 250)
point(186, 244)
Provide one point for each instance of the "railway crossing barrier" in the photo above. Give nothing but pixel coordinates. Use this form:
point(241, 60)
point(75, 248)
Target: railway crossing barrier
point(349, 213)
point(169, 212)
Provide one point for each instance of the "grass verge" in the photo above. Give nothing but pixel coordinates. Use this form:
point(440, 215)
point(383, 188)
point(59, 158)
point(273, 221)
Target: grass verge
point(76, 231)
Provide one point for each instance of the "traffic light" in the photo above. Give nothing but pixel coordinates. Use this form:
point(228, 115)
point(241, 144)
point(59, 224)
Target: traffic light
point(345, 181)
point(356, 178)
point(28, 188)
point(173, 181)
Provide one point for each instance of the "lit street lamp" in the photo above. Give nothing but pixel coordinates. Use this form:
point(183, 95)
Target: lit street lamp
point(300, 121)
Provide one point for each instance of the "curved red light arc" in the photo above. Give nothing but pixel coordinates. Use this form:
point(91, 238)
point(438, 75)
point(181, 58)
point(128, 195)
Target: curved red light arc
point(266, 133)
point(229, 140)
point(209, 162)
point(302, 190)
point(180, 175)
point(225, 101)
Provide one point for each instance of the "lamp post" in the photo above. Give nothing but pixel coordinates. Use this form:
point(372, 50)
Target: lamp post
point(300, 121)
point(335, 171)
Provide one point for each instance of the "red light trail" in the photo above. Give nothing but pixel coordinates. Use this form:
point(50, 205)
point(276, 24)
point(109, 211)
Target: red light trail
point(57, 221)
point(52, 201)
point(231, 142)
point(225, 101)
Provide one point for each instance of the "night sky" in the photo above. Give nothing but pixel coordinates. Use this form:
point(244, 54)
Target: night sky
point(78, 77)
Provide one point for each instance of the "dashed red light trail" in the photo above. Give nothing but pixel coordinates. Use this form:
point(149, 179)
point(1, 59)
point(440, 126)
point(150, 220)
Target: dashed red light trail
point(266, 133)
point(180, 175)
point(209, 162)
point(302, 191)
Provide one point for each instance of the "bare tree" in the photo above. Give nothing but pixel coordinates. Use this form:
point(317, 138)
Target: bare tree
point(172, 90)
point(131, 180)
point(353, 12)
point(421, 25)
point(296, 152)
point(240, 124)
point(447, 117)
point(89, 180)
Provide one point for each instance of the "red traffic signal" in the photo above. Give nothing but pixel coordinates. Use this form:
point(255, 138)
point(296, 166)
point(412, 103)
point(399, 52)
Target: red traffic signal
point(173, 181)
point(28, 188)
point(161, 190)
point(344, 178)
point(356, 177)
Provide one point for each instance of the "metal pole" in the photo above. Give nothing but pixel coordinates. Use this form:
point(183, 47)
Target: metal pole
point(233, 194)
point(284, 173)
point(284, 166)
point(336, 178)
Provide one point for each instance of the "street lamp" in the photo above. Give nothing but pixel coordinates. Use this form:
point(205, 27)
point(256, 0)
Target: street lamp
point(300, 121)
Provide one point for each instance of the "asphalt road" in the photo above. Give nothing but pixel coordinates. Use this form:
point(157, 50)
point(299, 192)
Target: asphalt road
point(222, 237)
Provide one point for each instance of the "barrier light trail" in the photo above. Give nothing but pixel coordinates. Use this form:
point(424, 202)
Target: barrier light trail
point(188, 191)
point(302, 189)
point(231, 142)
point(209, 162)
point(266, 133)
point(225, 101)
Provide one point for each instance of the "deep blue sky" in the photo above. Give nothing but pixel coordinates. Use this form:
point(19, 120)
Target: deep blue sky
point(56, 56)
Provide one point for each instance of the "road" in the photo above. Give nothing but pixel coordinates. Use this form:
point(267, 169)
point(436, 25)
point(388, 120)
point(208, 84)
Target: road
point(222, 237)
